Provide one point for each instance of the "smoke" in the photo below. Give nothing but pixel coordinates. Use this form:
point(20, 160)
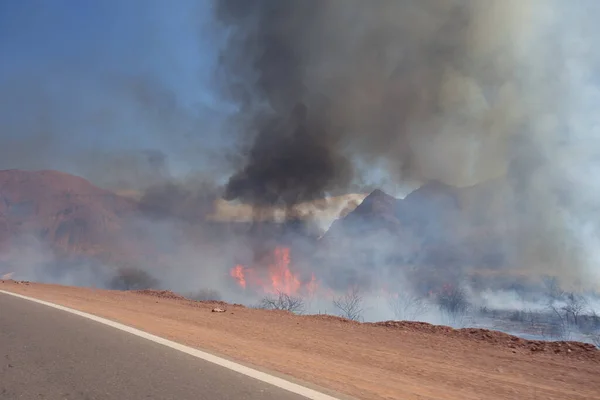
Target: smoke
point(314, 99)
point(193, 201)
point(455, 91)
point(429, 90)
point(30, 259)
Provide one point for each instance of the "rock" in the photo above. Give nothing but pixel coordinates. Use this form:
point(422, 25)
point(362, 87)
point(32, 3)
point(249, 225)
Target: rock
point(218, 310)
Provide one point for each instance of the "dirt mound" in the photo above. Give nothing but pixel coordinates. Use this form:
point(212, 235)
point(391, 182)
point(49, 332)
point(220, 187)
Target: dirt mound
point(15, 282)
point(162, 294)
point(213, 303)
point(572, 349)
point(414, 326)
point(167, 294)
point(330, 318)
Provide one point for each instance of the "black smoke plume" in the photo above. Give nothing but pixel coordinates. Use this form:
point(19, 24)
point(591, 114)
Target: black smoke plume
point(423, 89)
point(456, 91)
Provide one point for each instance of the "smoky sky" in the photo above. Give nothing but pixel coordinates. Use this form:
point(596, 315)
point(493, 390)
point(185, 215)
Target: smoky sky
point(457, 91)
point(289, 101)
point(309, 97)
point(426, 89)
point(101, 89)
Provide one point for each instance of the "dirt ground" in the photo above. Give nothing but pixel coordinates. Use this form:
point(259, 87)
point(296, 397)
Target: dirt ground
point(367, 361)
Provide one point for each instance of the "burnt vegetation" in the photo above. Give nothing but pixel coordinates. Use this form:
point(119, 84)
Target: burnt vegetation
point(453, 304)
point(561, 315)
point(350, 304)
point(283, 301)
point(132, 279)
point(408, 307)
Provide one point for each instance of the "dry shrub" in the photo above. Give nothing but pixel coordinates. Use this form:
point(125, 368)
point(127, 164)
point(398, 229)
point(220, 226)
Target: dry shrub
point(132, 279)
point(282, 301)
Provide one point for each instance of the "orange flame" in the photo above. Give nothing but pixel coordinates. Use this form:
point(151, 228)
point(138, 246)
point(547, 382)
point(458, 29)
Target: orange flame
point(282, 279)
point(312, 286)
point(237, 272)
point(279, 278)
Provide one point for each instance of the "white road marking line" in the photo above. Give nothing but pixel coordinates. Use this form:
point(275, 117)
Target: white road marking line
point(261, 376)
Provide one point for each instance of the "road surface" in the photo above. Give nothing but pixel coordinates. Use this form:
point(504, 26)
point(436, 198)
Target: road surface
point(51, 354)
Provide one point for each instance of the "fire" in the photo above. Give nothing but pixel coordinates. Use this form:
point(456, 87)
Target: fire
point(278, 277)
point(238, 273)
point(282, 279)
point(312, 286)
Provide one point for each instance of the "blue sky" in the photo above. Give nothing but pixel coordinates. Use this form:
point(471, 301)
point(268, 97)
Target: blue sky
point(85, 80)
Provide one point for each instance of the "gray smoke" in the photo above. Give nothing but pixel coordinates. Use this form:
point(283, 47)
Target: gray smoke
point(330, 93)
point(191, 199)
point(456, 91)
point(427, 90)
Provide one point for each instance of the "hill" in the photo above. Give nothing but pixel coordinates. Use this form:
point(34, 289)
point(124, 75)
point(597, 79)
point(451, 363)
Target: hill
point(65, 213)
point(56, 221)
point(436, 228)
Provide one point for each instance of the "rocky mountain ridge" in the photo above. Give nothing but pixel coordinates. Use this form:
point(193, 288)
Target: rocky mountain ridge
point(437, 226)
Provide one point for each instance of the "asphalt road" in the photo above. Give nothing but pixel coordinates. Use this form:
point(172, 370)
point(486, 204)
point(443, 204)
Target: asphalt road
point(51, 354)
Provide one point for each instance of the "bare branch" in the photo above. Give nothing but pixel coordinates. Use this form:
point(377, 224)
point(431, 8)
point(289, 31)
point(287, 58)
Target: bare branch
point(132, 279)
point(407, 307)
point(283, 301)
point(559, 323)
point(452, 302)
point(350, 304)
point(575, 306)
point(552, 288)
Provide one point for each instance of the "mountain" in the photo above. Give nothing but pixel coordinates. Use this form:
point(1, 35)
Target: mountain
point(65, 213)
point(378, 211)
point(67, 219)
point(430, 204)
point(437, 227)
